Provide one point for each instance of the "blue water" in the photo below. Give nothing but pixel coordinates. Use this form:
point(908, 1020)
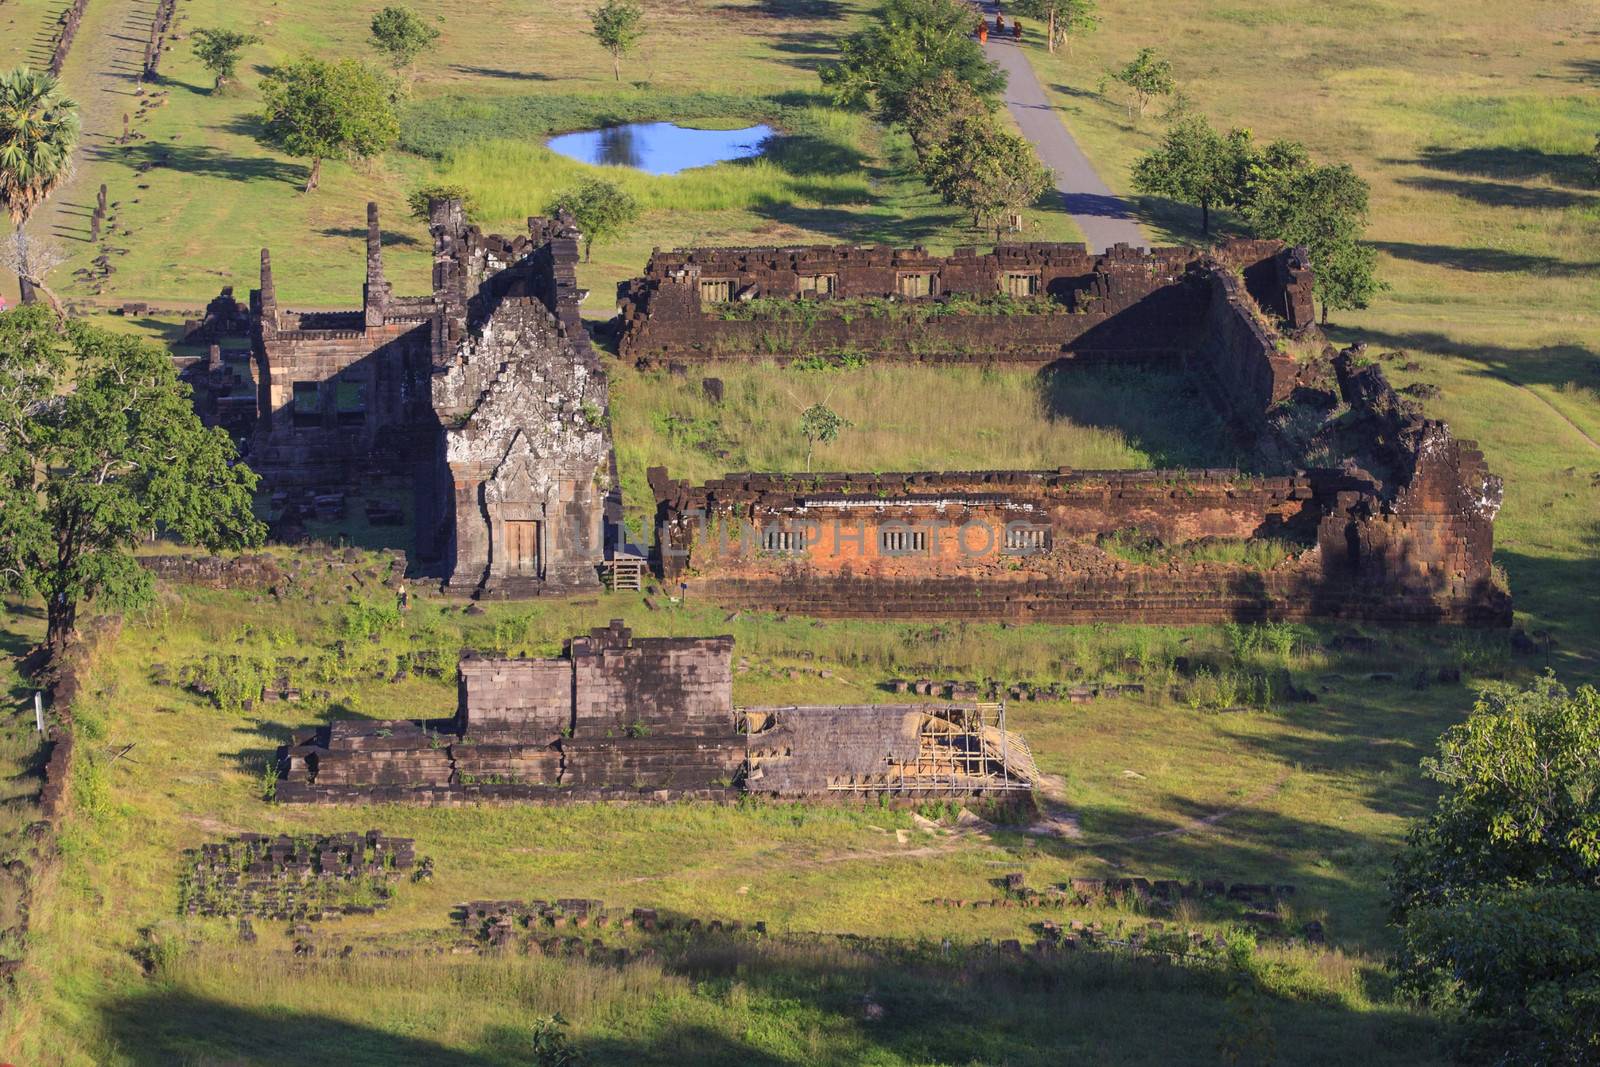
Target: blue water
point(659, 147)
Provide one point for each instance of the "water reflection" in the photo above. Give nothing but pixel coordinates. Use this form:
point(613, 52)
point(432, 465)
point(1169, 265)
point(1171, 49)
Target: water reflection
point(660, 147)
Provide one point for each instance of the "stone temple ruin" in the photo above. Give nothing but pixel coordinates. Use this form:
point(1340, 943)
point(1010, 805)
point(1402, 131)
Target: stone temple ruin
point(486, 393)
point(489, 395)
point(1401, 529)
point(649, 718)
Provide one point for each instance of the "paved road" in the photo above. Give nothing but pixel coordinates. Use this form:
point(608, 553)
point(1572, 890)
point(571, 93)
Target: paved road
point(1105, 218)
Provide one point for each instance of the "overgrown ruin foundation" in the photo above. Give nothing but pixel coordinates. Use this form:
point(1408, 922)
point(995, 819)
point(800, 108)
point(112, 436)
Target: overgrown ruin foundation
point(624, 717)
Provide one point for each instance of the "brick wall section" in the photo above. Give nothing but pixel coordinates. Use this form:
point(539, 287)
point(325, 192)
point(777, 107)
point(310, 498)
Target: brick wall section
point(1413, 543)
point(844, 514)
point(682, 685)
point(529, 698)
point(1124, 304)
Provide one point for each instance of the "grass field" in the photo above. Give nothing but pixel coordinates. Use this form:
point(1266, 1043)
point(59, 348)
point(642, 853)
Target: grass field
point(198, 197)
point(1313, 794)
point(905, 418)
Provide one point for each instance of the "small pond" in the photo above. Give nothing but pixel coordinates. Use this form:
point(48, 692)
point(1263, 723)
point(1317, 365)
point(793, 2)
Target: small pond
point(660, 147)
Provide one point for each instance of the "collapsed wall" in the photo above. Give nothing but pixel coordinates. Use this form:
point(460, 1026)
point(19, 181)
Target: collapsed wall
point(1028, 303)
point(632, 717)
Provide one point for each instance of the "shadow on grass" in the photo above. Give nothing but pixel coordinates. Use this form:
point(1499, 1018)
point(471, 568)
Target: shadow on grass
point(748, 1000)
point(1514, 164)
point(1484, 260)
point(199, 159)
point(1160, 411)
point(1550, 365)
point(390, 238)
point(852, 226)
point(499, 72)
point(1502, 194)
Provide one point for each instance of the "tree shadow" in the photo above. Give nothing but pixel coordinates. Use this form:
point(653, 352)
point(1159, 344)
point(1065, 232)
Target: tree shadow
point(1485, 260)
point(202, 160)
point(811, 50)
point(789, 9)
point(500, 72)
point(850, 226)
point(1515, 164)
point(390, 238)
point(1502, 194)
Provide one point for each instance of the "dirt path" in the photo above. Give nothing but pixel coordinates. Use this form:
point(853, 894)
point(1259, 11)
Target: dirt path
point(1105, 218)
point(1504, 377)
point(102, 74)
point(1064, 824)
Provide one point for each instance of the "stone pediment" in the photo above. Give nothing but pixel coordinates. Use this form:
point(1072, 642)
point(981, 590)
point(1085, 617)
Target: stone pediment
point(523, 478)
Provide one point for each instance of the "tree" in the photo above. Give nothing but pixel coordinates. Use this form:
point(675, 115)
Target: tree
point(419, 199)
point(986, 170)
point(1196, 165)
point(1064, 19)
point(32, 260)
point(910, 45)
point(1146, 77)
point(1321, 206)
point(218, 52)
point(618, 26)
point(1497, 893)
point(99, 445)
point(820, 425)
point(934, 113)
point(601, 208)
point(318, 110)
point(38, 133)
point(401, 35)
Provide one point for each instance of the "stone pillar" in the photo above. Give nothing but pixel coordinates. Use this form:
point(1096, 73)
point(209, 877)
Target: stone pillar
point(269, 297)
point(375, 294)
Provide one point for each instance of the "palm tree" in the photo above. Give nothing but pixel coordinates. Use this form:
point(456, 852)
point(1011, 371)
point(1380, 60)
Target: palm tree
point(38, 132)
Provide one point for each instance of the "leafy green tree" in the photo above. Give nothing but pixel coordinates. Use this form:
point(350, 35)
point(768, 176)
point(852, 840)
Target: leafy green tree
point(1321, 206)
point(319, 110)
point(39, 129)
point(820, 425)
point(418, 199)
point(1145, 77)
point(934, 113)
point(100, 445)
point(903, 51)
point(401, 35)
point(601, 208)
point(1065, 20)
point(1497, 894)
point(218, 51)
point(988, 171)
point(618, 26)
point(1196, 165)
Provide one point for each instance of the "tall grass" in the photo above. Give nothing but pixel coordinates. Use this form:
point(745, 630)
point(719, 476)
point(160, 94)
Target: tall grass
point(908, 417)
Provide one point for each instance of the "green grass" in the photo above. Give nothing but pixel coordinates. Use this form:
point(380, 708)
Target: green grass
point(906, 418)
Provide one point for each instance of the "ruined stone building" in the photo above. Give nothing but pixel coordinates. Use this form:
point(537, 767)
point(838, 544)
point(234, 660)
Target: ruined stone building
point(1401, 529)
point(648, 717)
point(1351, 505)
point(486, 394)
